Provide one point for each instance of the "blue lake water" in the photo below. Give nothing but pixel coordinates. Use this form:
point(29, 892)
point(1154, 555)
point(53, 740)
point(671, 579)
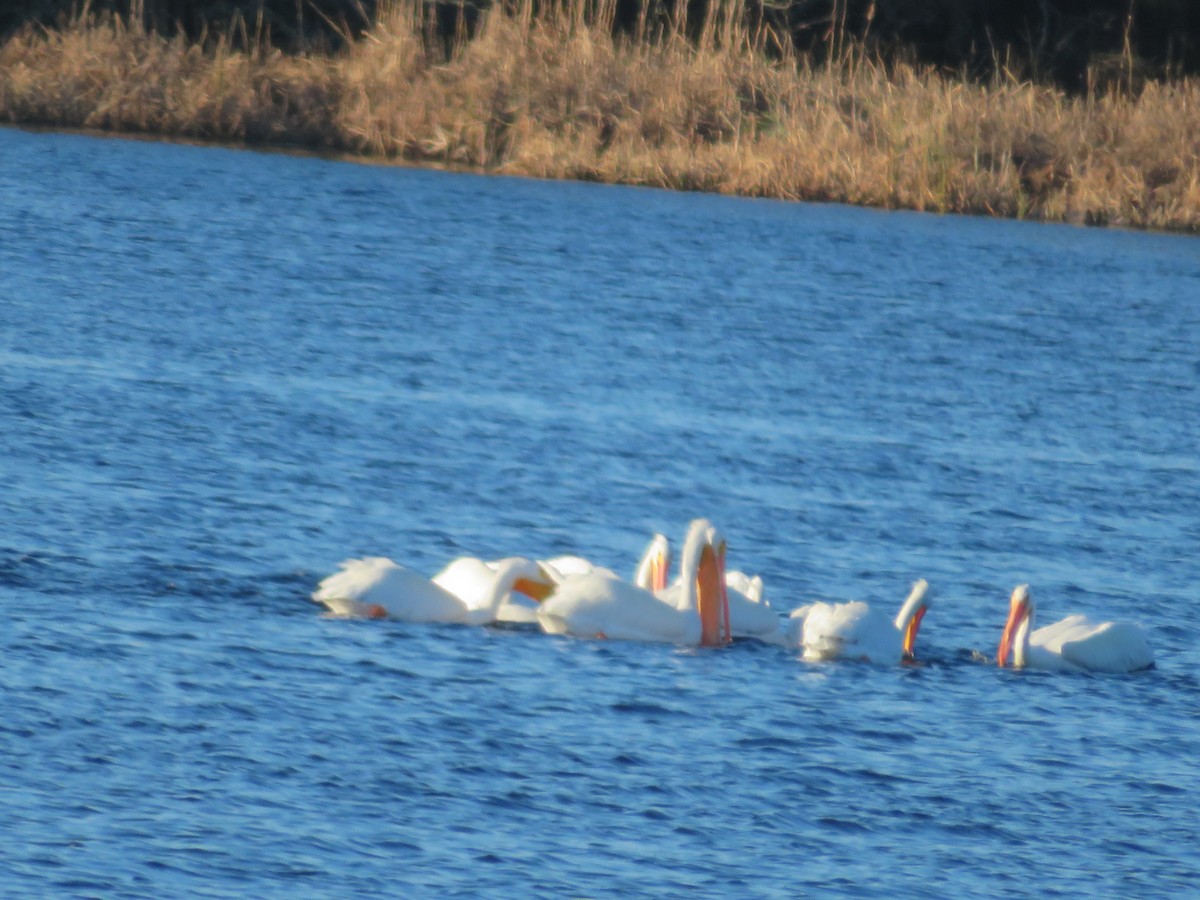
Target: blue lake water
point(223, 372)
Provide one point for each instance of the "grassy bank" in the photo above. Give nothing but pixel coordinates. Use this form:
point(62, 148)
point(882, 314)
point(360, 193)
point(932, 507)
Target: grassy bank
point(556, 96)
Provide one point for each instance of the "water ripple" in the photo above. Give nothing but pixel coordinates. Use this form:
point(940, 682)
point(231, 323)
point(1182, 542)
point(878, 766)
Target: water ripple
point(231, 371)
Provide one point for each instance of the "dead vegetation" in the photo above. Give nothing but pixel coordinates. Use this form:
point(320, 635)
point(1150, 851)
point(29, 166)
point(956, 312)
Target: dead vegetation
point(557, 96)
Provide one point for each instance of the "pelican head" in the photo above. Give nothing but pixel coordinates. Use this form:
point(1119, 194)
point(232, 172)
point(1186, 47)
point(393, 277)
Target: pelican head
point(1020, 611)
point(654, 569)
point(908, 620)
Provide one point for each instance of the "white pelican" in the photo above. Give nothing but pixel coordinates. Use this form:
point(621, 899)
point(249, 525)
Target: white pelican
point(857, 631)
point(600, 606)
point(470, 579)
point(749, 614)
point(378, 588)
point(1075, 644)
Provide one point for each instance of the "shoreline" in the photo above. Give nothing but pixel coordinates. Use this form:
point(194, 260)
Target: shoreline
point(560, 99)
point(458, 169)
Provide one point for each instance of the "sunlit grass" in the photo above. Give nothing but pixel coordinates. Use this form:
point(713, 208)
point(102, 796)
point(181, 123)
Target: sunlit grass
point(557, 96)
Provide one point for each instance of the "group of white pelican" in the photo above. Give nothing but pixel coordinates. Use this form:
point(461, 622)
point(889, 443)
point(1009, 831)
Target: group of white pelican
point(706, 605)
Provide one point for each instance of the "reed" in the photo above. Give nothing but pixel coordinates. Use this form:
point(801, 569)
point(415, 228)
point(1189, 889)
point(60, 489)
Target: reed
point(717, 107)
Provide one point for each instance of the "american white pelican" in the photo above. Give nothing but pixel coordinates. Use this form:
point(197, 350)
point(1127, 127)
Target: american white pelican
point(858, 631)
point(470, 579)
point(750, 615)
point(600, 606)
point(1075, 644)
point(377, 588)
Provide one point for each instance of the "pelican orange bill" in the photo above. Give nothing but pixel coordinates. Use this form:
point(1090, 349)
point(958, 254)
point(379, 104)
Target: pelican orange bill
point(537, 590)
point(1014, 617)
point(910, 633)
point(712, 600)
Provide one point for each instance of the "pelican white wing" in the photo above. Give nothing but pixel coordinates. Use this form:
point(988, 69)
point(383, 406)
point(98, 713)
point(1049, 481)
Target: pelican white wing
point(564, 567)
point(467, 578)
point(376, 587)
point(751, 588)
point(750, 614)
point(600, 606)
point(470, 579)
point(851, 630)
point(1095, 646)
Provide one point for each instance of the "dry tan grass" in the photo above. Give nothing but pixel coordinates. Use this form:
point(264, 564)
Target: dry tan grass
point(558, 97)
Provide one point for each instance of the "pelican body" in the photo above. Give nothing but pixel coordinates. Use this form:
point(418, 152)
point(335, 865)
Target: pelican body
point(376, 587)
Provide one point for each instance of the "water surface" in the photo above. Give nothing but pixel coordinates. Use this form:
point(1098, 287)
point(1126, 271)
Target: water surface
point(224, 372)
